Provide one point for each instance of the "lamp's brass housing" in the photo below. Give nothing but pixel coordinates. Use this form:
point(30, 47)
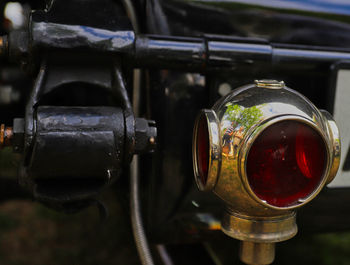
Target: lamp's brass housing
point(253, 108)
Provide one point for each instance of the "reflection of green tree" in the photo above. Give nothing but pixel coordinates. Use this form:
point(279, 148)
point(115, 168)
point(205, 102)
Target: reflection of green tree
point(243, 116)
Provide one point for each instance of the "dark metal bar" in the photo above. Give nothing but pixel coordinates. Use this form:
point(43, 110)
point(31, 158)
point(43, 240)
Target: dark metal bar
point(206, 54)
point(308, 55)
point(200, 54)
point(224, 53)
point(172, 52)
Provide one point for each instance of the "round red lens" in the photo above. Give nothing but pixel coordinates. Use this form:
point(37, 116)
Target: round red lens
point(286, 163)
point(202, 149)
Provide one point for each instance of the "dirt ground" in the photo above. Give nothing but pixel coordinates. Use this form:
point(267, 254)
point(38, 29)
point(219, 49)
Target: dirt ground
point(31, 234)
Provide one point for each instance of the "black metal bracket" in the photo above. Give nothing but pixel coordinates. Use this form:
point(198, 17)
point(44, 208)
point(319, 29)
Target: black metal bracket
point(70, 152)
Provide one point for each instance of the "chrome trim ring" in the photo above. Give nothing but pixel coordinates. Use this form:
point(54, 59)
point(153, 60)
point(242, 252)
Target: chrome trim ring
point(335, 144)
point(254, 133)
point(214, 162)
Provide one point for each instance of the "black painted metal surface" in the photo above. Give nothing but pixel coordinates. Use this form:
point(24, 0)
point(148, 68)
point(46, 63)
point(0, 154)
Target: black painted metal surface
point(77, 142)
point(73, 27)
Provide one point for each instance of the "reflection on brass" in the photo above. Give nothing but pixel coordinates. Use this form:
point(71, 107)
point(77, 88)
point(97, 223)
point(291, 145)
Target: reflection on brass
point(6, 134)
point(262, 230)
point(3, 45)
point(335, 144)
point(272, 84)
point(238, 119)
point(2, 134)
point(214, 150)
point(257, 253)
point(234, 123)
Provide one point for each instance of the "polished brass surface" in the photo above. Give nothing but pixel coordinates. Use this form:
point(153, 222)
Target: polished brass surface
point(234, 123)
point(2, 44)
point(6, 134)
point(257, 253)
point(335, 145)
point(2, 135)
point(262, 230)
point(245, 113)
point(272, 84)
point(214, 150)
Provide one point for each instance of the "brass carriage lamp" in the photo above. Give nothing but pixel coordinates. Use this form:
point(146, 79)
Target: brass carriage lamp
point(265, 150)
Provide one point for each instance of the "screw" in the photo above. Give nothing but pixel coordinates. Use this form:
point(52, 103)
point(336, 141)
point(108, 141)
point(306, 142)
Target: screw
point(6, 134)
point(152, 140)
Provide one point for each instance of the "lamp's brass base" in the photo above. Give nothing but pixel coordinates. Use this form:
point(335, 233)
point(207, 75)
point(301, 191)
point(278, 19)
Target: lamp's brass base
point(257, 253)
point(260, 229)
point(259, 235)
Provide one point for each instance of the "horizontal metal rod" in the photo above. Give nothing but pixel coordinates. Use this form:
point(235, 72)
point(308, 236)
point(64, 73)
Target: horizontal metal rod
point(205, 54)
point(200, 54)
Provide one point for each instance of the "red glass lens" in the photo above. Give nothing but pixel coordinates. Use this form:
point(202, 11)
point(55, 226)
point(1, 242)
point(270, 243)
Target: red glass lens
point(203, 149)
point(286, 163)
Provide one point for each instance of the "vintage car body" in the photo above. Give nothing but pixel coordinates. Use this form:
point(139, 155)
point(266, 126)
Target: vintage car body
point(311, 41)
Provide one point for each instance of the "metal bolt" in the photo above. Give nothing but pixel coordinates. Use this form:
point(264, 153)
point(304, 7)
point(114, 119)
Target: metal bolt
point(6, 134)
